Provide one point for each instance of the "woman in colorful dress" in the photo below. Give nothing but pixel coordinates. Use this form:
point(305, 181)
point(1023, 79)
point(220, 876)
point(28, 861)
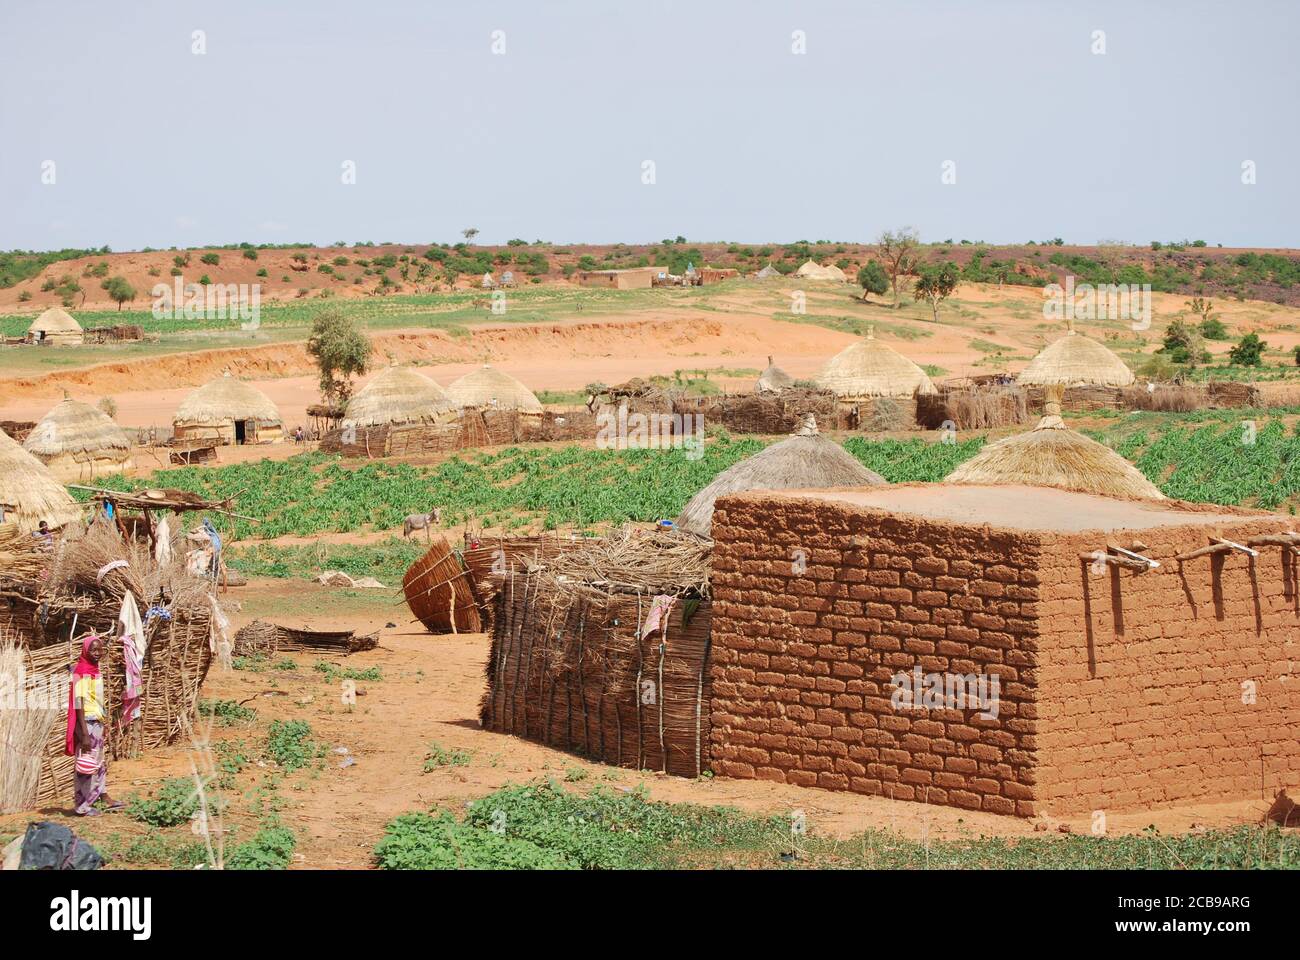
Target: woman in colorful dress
point(85, 742)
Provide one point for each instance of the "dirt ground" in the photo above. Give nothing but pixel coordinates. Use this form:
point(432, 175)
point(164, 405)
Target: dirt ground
point(429, 692)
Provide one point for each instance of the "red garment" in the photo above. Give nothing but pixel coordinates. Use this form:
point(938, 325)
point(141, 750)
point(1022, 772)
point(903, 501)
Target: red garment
point(85, 668)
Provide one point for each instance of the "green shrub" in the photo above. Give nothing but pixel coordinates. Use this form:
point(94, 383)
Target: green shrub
point(422, 841)
point(290, 745)
point(174, 804)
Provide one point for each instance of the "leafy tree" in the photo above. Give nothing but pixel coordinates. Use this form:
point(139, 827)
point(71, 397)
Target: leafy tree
point(341, 351)
point(1249, 352)
point(934, 284)
point(1209, 324)
point(211, 259)
point(119, 290)
point(873, 279)
point(898, 251)
point(469, 233)
point(1182, 343)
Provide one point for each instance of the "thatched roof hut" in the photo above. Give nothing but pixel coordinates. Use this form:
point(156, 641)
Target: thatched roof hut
point(869, 369)
point(805, 460)
point(228, 411)
point(1052, 455)
point(55, 326)
point(400, 395)
point(29, 493)
point(768, 271)
point(773, 379)
point(811, 270)
point(489, 389)
point(1076, 361)
point(78, 443)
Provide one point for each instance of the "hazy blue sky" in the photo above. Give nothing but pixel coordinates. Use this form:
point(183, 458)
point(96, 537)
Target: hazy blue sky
point(154, 145)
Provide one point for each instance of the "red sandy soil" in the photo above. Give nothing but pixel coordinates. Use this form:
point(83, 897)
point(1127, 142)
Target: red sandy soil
point(430, 692)
point(552, 356)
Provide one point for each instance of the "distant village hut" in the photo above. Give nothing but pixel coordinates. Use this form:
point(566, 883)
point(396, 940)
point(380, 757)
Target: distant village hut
point(55, 327)
point(79, 443)
point(228, 411)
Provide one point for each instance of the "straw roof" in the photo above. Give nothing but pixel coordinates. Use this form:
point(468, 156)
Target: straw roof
point(1052, 455)
point(811, 270)
point(869, 368)
point(28, 487)
point(768, 271)
point(805, 460)
point(488, 387)
point(773, 379)
point(399, 395)
point(227, 399)
point(73, 427)
point(1076, 361)
point(55, 320)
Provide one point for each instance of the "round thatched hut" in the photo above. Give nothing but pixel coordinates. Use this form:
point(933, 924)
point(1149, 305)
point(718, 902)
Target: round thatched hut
point(804, 460)
point(1052, 455)
point(869, 369)
point(767, 272)
point(228, 411)
point(400, 395)
point(79, 443)
point(1076, 361)
point(490, 389)
point(29, 493)
point(773, 379)
point(55, 326)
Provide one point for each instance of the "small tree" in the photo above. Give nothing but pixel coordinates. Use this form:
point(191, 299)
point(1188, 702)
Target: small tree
point(341, 351)
point(873, 279)
point(1249, 352)
point(108, 406)
point(469, 233)
point(1182, 343)
point(935, 284)
point(1208, 322)
point(119, 290)
point(898, 252)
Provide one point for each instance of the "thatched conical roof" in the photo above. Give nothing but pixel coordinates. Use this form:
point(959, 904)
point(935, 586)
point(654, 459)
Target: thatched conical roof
point(869, 368)
point(73, 427)
point(773, 379)
point(805, 460)
point(811, 270)
point(226, 398)
point(1052, 455)
point(1076, 361)
point(768, 271)
point(29, 489)
point(54, 320)
point(489, 388)
point(399, 395)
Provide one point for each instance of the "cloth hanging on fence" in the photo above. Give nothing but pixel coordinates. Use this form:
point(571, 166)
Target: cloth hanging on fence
point(215, 538)
point(162, 549)
point(133, 647)
point(108, 568)
point(657, 618)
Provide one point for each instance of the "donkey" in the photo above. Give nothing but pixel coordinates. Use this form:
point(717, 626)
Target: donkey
point(422, 521)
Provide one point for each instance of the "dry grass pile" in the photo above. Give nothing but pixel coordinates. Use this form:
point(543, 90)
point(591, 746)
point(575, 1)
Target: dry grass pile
point(639, 561)
point(28, 713)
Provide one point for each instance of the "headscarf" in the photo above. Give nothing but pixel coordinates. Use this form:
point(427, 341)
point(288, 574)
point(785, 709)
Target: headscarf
point(85, 668)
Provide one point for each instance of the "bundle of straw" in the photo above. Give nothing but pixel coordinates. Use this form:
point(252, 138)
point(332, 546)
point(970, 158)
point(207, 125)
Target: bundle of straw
point(635, 561)
point(25, 728)
point(21, 557)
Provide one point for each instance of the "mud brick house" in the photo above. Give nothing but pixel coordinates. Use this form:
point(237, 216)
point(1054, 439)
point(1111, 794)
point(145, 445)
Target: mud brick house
point(633, 278)
point(1120, 685)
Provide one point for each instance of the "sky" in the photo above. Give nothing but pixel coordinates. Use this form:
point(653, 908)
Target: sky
point(753, 121)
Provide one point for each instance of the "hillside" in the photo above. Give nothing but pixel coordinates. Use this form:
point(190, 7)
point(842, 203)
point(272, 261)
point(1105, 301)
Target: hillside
point(30, 282)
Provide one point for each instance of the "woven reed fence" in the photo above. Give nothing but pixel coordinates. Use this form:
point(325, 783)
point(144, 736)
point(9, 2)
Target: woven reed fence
point(439, 589)
point(765, 413)
point(1078, 399)
point(49, 616)
point(569, 668)
point(972, 406)
point(491, 559)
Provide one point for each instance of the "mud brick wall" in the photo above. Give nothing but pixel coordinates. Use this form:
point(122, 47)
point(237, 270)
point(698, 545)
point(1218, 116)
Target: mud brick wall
point(1141, 700)
point(803, 661)
point(1118, 690)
